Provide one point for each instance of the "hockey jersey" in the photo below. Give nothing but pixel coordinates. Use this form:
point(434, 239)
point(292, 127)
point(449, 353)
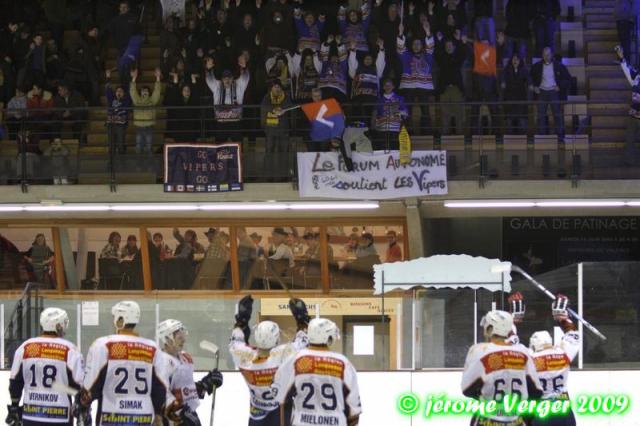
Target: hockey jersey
point(126, 374)
point(38, 363)
point(259, 372)
point(553, 365)
point(417, 69)
point(494, 370)
point(179, 372)
point(325, 388)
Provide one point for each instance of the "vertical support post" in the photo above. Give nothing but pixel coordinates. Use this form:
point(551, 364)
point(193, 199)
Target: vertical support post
point(57, 259)
point(79, 326)
point(384, 348)
point(475, 316)
point(399, 336)
point(235, 267)
point(413, 329)
point(146, 261)
point(581, 313)
point(157, 321)
point(324, 260)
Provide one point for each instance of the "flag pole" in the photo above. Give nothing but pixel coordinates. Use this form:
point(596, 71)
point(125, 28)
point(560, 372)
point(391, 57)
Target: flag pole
point(291, 108)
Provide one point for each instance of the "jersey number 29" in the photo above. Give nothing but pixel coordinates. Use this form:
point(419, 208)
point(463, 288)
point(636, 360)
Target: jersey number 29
point(330, 402)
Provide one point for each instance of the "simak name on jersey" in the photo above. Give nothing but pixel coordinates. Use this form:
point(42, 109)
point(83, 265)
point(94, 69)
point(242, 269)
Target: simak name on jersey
point(583, 405)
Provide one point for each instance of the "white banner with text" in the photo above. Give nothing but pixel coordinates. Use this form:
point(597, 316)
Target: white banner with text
point(375, 176)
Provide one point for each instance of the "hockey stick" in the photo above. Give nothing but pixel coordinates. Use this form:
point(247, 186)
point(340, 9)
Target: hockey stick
point(213, 348)
point(271, 269)
point(572, 313)
point(66, 389)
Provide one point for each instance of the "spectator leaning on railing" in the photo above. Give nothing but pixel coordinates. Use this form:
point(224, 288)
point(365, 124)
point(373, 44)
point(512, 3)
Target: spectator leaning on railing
point(391, 111)
point(551, 81)
point(144, 116)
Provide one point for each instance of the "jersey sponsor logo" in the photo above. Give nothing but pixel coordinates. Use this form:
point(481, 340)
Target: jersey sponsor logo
point(313, 419)
point(552, 362)
point(44, 412)
point(504, 360)
point(259, 377)
point(132, 351)
point(323, 366)
point(114, 419)
point(46, 350)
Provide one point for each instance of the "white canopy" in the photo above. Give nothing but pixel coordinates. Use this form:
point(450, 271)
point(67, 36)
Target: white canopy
point(443, 271)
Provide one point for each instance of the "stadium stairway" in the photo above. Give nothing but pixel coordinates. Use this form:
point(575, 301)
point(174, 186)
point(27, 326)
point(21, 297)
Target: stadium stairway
point(606, 83)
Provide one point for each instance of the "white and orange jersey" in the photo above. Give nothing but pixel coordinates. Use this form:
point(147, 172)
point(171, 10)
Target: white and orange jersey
point(494, 370)
point(126, 374)
point(259, 372)
point(553, 365)
point(38, 363)
point(179, 372)
point(325, 388)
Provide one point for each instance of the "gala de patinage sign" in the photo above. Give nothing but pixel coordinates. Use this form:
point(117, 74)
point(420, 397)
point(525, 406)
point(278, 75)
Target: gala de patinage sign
point(375, 176)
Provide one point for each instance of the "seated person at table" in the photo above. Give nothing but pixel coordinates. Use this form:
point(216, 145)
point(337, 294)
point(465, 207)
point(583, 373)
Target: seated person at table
point(112, 249)
point(283, 251)
point(130, 250)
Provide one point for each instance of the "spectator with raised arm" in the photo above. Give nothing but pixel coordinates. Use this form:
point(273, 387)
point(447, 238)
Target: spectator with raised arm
point(309, 29)
point(365, 81)
point(416, 81)
point(333, 76)
point(354, 25)
point(228, 97)
point(305, 67)
point(144, 115)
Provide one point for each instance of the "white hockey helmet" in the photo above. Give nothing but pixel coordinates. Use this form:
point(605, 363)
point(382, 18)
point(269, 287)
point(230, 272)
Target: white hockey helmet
point(501, 323)
point(166, 331)
point(267, 335)
point(51, 318)
point(322, 331)
point(540, 340)
point(128, 310)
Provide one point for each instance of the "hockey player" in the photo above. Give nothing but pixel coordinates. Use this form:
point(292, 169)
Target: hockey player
point(172, 336)
point(258, 365)
point(553, 362)
point(323, 382)
point(125, 374)
point(498, 368)
point(37, 364)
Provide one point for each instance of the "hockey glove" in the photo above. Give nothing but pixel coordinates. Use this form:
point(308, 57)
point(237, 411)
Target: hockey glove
point(172, 411)
point(559, 308)
point(245, 308)
point(81, 412)
point(188, 417)
point(213, 379)
point(516, 303)
point(299, 311)
point(14, 415)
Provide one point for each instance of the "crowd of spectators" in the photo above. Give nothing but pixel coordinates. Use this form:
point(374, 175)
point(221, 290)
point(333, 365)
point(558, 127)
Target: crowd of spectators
point(376, 57)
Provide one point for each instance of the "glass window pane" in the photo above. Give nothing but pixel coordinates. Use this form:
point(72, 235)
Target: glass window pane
point(190, 258)
point(353, 250)
point(104, 258)
point(26, 254)
point(279, 257)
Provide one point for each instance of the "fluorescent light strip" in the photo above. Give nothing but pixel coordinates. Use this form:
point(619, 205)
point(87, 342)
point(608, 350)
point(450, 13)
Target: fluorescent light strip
point(543, 204)
point(142, 207)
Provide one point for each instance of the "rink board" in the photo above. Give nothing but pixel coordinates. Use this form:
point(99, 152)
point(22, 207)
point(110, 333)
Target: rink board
point(380, 390)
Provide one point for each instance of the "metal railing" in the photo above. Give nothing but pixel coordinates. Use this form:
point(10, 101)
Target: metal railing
point(484, 140)
point(24, 321)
